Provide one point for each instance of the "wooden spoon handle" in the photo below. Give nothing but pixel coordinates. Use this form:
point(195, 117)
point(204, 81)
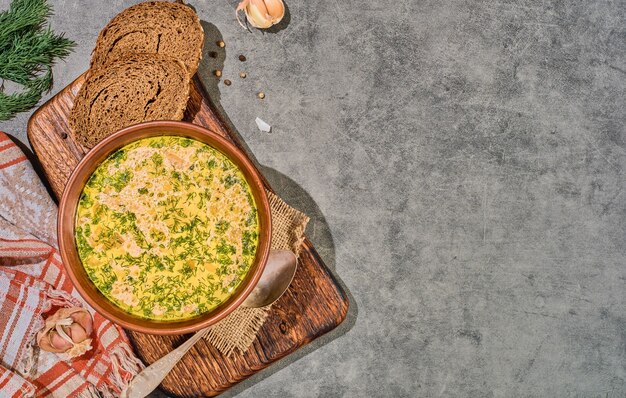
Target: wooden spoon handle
point(149, 379)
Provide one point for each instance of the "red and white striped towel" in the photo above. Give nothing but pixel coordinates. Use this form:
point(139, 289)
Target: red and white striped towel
point(32, 283)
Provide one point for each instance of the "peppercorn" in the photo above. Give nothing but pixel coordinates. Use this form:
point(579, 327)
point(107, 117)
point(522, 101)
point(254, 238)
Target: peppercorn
point(242, 58)
point(227, 82)
point(242, 75)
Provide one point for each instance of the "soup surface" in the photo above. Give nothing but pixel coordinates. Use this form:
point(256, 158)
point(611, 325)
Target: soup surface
point(167, 228)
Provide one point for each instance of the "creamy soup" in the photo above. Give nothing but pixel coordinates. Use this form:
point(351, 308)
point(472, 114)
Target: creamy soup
point(167, 228)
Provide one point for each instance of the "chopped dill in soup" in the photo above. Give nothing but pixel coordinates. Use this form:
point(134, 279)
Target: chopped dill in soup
point(167, 228)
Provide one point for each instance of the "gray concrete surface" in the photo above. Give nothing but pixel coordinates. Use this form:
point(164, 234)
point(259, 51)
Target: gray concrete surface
point(464, 165)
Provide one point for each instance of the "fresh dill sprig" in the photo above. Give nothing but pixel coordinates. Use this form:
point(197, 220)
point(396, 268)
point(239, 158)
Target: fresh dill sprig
point(28, 49)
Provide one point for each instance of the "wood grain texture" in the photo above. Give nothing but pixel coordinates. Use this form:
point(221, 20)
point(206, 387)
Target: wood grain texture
point(313, 305)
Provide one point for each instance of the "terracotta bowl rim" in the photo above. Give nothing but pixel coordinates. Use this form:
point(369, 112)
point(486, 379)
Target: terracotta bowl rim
point(69, 202)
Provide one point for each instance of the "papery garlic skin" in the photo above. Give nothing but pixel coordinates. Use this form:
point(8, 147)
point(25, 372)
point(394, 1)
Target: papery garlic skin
point(262, 14)
point(77, 350)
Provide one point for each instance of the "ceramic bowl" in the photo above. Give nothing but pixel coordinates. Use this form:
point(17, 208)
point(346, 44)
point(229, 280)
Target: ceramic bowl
point(67, 217)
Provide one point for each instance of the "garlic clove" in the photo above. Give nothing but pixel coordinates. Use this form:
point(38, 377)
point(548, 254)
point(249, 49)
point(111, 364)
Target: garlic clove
point(83, 318)
point(276, 9)
point(260, 5)
point(257, 15)
point(261, 14)
point(76, 332)
point(58, 343)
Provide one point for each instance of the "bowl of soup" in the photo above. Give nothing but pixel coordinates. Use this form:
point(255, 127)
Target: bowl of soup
point(164, 227)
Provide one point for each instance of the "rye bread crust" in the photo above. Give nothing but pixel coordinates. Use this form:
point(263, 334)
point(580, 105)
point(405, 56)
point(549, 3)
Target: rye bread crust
point(135, 89)
point(152, 27)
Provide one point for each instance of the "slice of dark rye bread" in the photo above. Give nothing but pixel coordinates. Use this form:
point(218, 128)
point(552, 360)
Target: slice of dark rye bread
point(152, 27)
point(138, 88)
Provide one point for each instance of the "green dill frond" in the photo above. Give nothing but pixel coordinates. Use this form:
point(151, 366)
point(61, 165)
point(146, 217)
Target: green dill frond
point(23, 14)
point(20, 102)
point(28, 49)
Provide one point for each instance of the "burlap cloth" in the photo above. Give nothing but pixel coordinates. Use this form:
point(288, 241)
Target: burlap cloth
point(238, 330)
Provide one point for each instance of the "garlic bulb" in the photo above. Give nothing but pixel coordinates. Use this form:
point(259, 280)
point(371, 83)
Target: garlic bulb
point(67, 333)
point(261, 13)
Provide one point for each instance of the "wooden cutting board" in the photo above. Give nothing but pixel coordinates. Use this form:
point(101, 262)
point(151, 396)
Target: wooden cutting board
point(312, 306)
